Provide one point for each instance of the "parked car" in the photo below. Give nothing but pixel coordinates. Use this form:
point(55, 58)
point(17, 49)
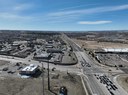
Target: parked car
point(5, 69)
point(11, 72)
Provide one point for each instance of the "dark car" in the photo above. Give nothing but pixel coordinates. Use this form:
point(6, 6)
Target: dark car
point(19, 68)
point(11, 72)
point(5, 69)
point(63, 90)
point(82, 63)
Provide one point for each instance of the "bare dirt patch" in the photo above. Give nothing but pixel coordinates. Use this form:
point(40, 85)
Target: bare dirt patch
point(17, 86)
point(3, 62)
point(96, 44)
point(123, 81)
point(33, 86)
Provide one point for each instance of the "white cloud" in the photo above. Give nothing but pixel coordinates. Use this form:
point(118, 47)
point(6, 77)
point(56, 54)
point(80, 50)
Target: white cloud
point(21, 7)
point(15, 10)
point(94, 22)
point(11, 16)
point(90, 10)
point(74, 7)
point(75, 15)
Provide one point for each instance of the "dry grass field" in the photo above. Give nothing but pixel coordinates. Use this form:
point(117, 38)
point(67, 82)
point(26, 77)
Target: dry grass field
point(96, 45)
point(33, 86)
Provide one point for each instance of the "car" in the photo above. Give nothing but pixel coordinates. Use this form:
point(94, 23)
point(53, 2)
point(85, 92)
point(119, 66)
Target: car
point(89, 65)
point(111, 93)
point(82, 64)
point(63, 90)
point(109, 87)
point(19, 68)
point(115, 87)
point(5, 69)
point(53, 69)
point(11, 72)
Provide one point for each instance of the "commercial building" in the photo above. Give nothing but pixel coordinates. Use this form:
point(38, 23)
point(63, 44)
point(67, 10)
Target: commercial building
point(5, 51)
point(42, 55)
point(116, 50)
point(20, 43)
point(29, 70)
point(49, 46)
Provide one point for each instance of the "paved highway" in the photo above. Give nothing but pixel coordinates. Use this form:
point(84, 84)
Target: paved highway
point(89, 70)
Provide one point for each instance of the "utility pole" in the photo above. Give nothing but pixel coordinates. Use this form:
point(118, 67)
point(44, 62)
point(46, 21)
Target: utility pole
point(48, 77)
point(43, 78)
point(49, 80)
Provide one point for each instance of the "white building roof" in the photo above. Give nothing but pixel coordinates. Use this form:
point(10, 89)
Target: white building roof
point(115, 49)
point(43, 54)
point(31, 67)
point(19, 42)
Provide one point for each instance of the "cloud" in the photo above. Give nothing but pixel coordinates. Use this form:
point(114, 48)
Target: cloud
point(90, 10)
point(75, 14)
point(11, 16)
point(94, 22)
point(15, 10)
point(74, 7)
point(21, 7)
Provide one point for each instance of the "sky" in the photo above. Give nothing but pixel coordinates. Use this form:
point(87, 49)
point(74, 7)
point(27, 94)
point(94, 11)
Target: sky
point(64, 15)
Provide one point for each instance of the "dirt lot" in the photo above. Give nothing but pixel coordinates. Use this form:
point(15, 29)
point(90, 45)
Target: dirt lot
point(69, 58)
point(17, 86)
point(3, 62)
point(33, 86)
point(123, 81)
point(96, 45)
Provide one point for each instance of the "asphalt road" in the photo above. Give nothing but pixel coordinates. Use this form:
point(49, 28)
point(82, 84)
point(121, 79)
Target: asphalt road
point(89, 72)
point(96, 87)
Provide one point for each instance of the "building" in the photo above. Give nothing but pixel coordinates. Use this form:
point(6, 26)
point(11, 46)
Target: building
point(6, 51)
point(54, 51)
point(122, 50)
point(51, 42)
point(49, 46)
point(29, 70)
point(20, 43)
point(42, 55)
point(40, 41)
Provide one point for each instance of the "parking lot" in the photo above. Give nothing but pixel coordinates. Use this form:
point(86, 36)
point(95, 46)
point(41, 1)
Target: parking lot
point(11, 69)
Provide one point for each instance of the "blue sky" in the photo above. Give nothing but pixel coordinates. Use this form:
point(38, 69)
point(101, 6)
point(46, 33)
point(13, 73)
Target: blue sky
point(64, 15)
